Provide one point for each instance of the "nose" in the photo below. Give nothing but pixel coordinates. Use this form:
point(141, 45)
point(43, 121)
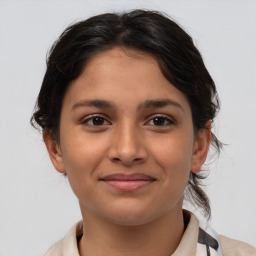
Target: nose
point(127, 146)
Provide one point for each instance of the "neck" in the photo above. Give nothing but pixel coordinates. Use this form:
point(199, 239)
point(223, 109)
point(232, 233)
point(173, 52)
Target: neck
point(160, 237)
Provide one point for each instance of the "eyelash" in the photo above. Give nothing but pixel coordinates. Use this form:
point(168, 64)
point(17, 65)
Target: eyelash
point(167, 119)
point(92, 118)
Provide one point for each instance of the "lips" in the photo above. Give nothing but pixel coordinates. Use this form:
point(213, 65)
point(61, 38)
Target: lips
point(128, 183)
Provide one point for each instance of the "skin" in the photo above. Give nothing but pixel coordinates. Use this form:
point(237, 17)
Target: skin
point(98, 140)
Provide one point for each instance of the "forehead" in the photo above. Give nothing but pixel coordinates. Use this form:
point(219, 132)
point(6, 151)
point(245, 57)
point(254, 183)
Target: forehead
point(118, 62)
point(123, 75)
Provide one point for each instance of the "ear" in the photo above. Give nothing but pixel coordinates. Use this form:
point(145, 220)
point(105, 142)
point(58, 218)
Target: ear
point(54, 152)
point(201, 148)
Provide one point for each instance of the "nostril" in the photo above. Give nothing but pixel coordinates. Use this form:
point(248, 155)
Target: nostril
point(126, 154)
point(126, 161)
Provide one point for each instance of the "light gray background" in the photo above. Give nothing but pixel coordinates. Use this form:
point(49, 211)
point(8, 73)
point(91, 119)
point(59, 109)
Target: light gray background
point(37, 206)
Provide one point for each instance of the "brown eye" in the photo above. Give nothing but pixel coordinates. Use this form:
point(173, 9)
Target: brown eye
point(98, 120)
point(95, 121)
point(160, 121)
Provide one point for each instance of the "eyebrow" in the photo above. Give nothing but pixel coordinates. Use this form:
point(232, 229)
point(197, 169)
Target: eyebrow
point(102, 104)
point(159, 103)
point(94, 103)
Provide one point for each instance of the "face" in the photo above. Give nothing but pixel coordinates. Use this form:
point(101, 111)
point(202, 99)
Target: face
point(127, 141)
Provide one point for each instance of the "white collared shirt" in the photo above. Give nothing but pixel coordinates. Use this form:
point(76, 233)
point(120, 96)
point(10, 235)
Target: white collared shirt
point(188, 246)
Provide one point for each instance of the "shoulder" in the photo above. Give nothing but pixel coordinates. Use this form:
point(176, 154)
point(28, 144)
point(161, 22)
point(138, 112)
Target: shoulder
point(55, 250)
point(231, 247)
point(67, 245)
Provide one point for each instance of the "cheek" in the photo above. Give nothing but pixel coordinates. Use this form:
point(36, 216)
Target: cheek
point(81, 156)
point(81, 152)
point(175, 158)
point(175, 151)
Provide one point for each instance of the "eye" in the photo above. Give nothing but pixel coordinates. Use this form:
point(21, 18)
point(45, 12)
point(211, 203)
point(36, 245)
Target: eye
point(95, 121)
point(160, 121)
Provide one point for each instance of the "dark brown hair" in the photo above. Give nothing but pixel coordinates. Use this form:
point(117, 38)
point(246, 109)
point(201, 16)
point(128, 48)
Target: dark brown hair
point(148, 31)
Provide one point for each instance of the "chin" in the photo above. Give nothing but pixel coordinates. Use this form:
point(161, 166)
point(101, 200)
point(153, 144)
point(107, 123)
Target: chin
point(130, 220)
point(132, 216)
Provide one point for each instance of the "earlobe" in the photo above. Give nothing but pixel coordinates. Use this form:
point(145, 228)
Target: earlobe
point(54, 152)
point(201, 148)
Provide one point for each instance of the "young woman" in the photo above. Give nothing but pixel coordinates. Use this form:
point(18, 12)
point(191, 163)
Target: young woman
point(126, 108)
